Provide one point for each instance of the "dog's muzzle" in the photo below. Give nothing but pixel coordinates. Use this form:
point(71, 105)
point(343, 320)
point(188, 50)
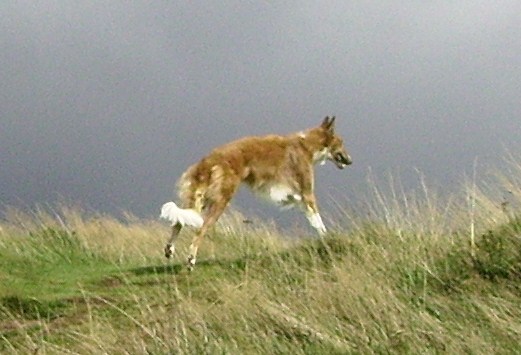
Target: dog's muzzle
point(342, 160)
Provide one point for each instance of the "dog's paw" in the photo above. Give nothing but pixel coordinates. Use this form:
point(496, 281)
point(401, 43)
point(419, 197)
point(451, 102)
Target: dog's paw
point(169, 251)
point(190, 263)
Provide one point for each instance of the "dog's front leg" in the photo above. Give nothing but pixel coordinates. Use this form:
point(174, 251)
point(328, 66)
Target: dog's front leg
point(312, 214)
point(315, 220)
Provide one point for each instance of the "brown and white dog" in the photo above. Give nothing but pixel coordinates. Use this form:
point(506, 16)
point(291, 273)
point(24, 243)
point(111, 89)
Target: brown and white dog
point(278, 167)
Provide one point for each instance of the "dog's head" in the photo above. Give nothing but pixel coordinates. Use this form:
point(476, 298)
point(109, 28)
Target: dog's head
point(333, 144)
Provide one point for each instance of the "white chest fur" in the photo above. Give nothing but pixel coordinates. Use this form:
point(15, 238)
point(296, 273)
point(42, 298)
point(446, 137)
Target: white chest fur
point(282, 195)
point(321, 156)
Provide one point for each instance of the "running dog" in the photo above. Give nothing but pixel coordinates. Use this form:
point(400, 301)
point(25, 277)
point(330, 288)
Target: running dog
point(277, 167)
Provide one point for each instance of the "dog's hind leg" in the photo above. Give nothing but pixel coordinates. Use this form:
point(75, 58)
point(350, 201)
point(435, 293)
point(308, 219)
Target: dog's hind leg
point(224, 184)
point(213, 213)
point(170, 247)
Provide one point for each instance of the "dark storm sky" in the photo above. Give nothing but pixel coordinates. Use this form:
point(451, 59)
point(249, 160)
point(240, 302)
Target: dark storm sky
point(105, 103)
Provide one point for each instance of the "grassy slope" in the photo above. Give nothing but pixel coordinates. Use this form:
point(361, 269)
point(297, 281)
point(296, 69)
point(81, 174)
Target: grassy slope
point(406, 280)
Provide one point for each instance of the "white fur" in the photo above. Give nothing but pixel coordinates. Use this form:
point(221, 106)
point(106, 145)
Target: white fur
point(316, 222)
point(177, 215)
point(281, 195)
point(321, 156)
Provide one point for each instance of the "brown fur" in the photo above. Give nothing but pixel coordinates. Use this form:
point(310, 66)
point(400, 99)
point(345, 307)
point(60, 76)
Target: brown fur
point(271, 164)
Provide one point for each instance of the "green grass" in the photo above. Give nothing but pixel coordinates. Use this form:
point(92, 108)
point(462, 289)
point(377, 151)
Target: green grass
point(418, 275)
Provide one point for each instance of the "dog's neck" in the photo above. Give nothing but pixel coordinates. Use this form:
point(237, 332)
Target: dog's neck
point(313, 142)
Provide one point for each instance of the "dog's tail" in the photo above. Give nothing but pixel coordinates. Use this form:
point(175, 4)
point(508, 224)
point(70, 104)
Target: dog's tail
point(182, 216)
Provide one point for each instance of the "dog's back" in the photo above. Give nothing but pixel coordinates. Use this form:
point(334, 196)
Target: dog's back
point(256, 161)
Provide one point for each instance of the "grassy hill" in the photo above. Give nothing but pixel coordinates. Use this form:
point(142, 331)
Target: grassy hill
point(407, 273)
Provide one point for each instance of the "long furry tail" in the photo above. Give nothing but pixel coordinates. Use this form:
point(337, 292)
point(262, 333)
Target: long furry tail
point(183, 216)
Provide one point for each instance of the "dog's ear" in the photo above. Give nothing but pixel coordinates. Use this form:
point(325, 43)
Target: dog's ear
point(328, 124)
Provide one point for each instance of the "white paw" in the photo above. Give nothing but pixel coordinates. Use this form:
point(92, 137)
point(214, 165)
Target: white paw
point(316, 222)
point(169, 250)
point(191, 262)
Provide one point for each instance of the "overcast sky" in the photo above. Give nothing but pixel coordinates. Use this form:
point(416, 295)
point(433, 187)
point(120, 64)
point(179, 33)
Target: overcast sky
point(105, 103)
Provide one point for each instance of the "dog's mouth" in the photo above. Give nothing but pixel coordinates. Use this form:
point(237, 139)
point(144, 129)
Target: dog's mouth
point(341, 160)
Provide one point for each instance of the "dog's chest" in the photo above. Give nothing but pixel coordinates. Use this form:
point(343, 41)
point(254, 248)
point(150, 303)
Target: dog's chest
point(281, 195)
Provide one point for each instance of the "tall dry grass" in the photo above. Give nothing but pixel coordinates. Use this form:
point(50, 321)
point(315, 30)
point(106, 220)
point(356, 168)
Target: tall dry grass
point(407, 272)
